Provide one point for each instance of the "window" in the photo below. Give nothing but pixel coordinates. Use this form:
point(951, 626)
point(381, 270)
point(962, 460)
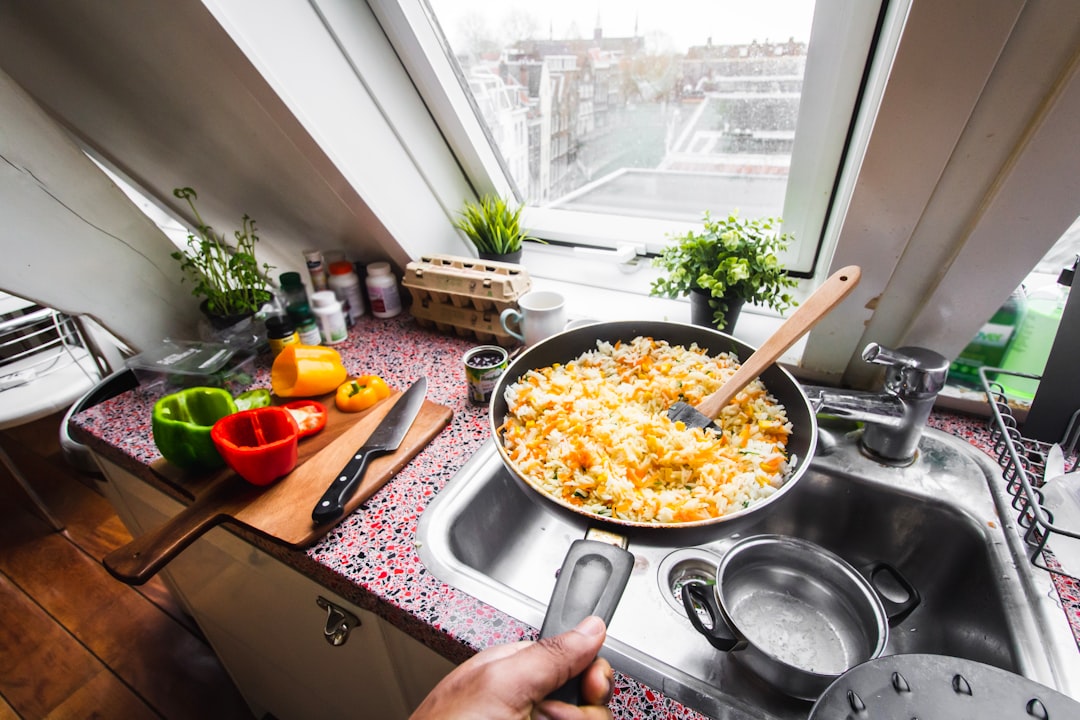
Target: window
point(618, 123)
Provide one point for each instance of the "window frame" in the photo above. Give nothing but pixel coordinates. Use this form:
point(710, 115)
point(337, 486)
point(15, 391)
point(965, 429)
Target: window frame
point(815, 166)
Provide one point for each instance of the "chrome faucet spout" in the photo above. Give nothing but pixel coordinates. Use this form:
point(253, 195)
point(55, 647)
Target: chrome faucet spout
point(896, 416)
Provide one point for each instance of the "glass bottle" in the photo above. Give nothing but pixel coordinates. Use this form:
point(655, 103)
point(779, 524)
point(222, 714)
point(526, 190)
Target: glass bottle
point(292, 287)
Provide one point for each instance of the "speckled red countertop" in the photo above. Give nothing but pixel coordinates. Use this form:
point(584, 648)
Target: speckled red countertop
point(369, 557)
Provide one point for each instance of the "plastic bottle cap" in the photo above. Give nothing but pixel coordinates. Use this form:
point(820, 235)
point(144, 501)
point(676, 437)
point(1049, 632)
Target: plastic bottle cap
point(279, 326)
point(1066, 276)
point(291, 279)
point(324, 298)
point(379, 268)
point(343, 267)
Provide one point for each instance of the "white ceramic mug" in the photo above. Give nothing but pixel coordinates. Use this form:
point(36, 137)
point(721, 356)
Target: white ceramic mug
point(542, 314)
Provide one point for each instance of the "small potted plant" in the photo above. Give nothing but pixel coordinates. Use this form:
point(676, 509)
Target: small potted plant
point(229, 278)
point(726, 264)
point(494, 228)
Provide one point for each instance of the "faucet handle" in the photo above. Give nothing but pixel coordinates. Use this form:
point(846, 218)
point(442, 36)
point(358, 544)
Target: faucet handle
point(913, 371)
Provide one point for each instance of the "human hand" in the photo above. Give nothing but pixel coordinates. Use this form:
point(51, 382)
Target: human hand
point(511, 681)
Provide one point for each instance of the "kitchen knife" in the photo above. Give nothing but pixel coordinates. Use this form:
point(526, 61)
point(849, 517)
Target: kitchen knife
point(385, 439)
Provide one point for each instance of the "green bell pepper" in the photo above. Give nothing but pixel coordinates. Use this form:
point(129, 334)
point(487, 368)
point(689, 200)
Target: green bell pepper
point(181, 425)
point(257, 398)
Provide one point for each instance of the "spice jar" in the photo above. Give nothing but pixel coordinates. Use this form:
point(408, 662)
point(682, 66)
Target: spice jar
point(280, 332)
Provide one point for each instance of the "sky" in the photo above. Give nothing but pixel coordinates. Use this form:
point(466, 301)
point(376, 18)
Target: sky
point(685, 22)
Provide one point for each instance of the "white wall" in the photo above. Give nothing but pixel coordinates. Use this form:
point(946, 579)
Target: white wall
point(73, 241)
point(163, 92)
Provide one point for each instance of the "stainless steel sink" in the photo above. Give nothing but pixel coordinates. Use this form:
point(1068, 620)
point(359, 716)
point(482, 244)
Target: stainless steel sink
point(943, 521)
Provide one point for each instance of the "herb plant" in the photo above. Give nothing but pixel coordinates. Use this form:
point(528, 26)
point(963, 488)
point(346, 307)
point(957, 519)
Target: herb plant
point(492, 226)
point(228, 277)
point(728, 259)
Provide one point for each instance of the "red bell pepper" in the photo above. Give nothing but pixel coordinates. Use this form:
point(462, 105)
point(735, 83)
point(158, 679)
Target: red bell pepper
point(310, 415)
point(259, 444)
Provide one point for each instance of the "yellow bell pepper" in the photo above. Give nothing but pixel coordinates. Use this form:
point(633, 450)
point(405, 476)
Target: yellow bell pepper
point(306, 371)
point(361, 393)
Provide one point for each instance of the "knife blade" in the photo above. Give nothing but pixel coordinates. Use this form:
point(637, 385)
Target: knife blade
point(386, 438)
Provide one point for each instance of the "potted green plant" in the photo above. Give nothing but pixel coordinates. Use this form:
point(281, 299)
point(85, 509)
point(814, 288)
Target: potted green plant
point(494, 228)
point(726, 264)
point(229, 278)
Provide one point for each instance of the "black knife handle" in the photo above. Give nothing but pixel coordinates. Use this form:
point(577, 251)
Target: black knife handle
point(591, 582)
point(332, 504)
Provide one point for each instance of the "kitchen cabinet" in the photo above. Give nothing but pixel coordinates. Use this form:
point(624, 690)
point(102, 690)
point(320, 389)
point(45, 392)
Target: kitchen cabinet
point(264, 620)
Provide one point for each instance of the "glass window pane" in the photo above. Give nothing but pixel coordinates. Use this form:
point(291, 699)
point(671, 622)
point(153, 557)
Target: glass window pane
point(646, 109)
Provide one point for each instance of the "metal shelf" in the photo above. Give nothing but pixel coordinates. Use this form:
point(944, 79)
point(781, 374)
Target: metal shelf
point(1054, 542)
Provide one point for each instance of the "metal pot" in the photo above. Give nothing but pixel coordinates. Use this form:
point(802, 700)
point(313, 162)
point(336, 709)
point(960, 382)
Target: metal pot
point(568, 345)
point(796, 614)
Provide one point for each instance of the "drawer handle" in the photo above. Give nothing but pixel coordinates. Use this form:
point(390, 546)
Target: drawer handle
point(339, 622)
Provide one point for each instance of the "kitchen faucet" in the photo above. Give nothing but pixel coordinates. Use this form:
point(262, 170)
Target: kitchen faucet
point(894, 417)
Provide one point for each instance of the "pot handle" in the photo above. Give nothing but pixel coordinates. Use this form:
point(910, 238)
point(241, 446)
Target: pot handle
point(695, 594)
point(896, 611)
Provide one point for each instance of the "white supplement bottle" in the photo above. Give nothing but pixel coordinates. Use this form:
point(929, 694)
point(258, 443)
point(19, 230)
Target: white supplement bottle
point(383, 290)
point(346, 285)
point(329, 316)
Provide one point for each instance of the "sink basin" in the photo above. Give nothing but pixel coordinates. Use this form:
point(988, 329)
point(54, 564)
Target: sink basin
point(944, 522)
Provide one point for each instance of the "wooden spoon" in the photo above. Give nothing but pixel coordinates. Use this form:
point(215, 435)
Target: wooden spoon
point(809, 312)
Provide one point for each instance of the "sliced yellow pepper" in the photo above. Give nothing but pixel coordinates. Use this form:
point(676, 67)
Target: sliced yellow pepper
point(361, 393)
point(306, 371)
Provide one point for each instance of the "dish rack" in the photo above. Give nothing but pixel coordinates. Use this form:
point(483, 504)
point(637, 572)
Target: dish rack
point(1054, 543)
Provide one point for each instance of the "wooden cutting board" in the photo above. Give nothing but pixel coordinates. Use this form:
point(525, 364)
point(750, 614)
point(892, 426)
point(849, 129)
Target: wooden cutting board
point(281, 511)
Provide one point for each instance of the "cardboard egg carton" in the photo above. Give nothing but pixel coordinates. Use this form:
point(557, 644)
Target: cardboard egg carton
point(465, 296)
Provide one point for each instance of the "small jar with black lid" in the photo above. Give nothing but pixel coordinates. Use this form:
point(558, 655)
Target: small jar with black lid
point(280, 332)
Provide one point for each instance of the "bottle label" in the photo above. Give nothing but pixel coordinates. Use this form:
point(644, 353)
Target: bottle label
point(309, 334)
point(995, 335)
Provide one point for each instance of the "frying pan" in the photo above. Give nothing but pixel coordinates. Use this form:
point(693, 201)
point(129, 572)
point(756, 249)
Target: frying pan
point(570, 344)
point(595, 572)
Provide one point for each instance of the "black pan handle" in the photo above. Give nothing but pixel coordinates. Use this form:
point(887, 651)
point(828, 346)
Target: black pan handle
point(695, 594)
point(591, 582)
point(896, 611)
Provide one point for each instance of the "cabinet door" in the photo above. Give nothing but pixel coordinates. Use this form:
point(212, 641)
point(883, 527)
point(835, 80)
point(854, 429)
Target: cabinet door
point(264, 622)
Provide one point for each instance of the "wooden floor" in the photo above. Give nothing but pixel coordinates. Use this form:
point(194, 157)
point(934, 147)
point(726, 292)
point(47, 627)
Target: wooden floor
point(74, 642)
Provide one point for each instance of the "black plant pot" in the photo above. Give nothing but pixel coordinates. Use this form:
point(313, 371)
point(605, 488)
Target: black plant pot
point(514, 257)
point(219, 321)
point(701, 311)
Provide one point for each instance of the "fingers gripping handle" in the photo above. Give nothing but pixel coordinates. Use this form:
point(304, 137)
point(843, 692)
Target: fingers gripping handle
point(591, 582)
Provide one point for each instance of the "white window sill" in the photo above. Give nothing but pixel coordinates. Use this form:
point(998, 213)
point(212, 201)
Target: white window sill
point(585, 302)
